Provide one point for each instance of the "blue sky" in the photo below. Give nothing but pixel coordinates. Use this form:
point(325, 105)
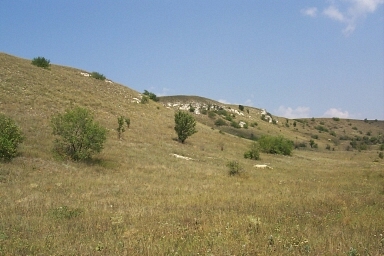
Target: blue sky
point(321, 58)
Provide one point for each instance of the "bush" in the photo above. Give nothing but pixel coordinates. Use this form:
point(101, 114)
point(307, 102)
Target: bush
point(253, 152)
point(234, 168)
point(10, 137)
point(241, 107)
point(321, 128)
point(120, 121)
point(144, 100)
point(220, 122)
point(98, 76)
point(79, 135)
point(336, 119)
point(152, 96)
point(211, 114)
point(41, 62)
point(184, 125)
point(235, 124)
point(275, 145)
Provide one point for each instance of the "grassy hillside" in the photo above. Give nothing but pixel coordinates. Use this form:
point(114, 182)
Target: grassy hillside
point(136, 198)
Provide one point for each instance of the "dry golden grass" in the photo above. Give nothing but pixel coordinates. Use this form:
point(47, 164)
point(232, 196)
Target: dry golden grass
point(135, 198)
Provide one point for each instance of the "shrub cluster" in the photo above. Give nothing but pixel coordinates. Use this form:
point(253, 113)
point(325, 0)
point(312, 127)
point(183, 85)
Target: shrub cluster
point(275, 145)
point(10, 137)
point(98, 76)
point(41, 62)
point(151, 95)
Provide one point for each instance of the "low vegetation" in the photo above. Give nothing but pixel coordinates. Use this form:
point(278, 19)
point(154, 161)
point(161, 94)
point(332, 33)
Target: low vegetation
point(98, 76)
point(276, 145)
point(41, 62)
point(10, 138)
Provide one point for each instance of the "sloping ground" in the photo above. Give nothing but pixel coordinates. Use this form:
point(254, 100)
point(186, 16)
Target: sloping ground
point(138, 198)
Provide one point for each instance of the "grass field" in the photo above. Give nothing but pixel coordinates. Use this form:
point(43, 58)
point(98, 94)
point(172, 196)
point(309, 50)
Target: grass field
point(136, 198)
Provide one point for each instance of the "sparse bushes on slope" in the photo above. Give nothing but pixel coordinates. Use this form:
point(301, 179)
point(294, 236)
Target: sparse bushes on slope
point(10, 137)
point(184, 125)
point(275, 145)
point(79, 137)
point(41, 62)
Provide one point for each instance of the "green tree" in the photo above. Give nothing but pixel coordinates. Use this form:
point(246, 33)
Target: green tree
point(120, 121)
point(78, 135)
point(10, 137)
point(41, 62)
point(185, 125)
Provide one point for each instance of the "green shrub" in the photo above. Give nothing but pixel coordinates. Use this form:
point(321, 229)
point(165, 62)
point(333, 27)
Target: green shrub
point(185, 125)
point(336, 119)
point(332, 133)
point(10, 138)
point(144, 99)
point(241, 107)
point(41, 62)
point(220, 122)
point(275, 145)
point(321, 128)
point(151, 95)
point(315, 136)
point(120, 121)
point(235, 124)
point(211, 114)
point(78, 135)
point(253, 152)
point(381, 147)
point(98, 76)
point(234, 168)
point(229, 118)
point(381, 155)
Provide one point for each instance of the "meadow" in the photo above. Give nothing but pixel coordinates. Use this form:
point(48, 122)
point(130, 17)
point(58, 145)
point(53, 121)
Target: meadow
point(136, 198)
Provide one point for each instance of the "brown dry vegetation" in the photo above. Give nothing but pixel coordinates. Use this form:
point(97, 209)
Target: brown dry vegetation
point(136, 199)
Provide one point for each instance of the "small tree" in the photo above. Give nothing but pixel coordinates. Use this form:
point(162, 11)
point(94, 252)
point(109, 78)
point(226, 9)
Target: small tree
point(241, 107)
point(41, 62)
point(185, 125)
point(79, 136)
point(10, 137)
point(120, 122)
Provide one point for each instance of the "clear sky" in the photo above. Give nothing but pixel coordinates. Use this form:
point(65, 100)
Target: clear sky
point(320, 58)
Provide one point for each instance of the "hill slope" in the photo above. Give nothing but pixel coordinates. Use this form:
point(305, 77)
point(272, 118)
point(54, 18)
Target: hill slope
point(137, 198)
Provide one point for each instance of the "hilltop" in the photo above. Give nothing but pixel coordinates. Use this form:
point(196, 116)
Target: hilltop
point(137, 198)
